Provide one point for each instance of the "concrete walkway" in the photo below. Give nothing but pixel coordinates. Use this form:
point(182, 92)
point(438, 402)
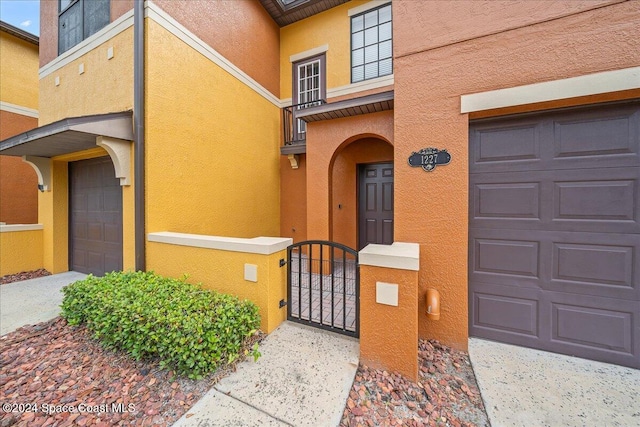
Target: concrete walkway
point(33, 301)
point(302, 379)
point(525, 387)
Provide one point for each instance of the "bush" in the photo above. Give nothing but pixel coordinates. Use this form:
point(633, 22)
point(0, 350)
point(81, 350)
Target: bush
point(189, 329)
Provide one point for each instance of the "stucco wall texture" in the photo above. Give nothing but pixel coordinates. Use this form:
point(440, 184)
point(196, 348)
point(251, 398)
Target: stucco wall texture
point(241, 30)
point(212, 154)
point(324, 140)
point(18, 71)
point(509, 44)
point(106, 86)
point(21, 251)
point(18, 180)
point(18, 86)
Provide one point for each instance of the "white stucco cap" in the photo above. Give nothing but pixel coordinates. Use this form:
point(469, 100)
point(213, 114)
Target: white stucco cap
point(399, 255)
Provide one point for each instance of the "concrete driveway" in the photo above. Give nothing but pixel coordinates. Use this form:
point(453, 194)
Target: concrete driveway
point(525, 387)
point(33, 301)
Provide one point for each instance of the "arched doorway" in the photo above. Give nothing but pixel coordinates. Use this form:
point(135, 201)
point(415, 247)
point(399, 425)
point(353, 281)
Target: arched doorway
point(361, 178)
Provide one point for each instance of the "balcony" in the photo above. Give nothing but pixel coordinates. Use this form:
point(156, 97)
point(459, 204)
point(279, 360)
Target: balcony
point(295, 129)
point(296, 117)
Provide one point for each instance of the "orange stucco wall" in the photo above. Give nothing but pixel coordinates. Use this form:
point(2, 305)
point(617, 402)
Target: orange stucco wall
point(241, 30)
point(389, 334)
point(293, 199)
point(503, 47)
point(344, 186)
point(49, 26)
point(324, 140)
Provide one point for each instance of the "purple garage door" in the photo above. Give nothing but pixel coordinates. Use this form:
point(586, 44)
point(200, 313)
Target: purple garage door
point(95, 221)
point(554, 232)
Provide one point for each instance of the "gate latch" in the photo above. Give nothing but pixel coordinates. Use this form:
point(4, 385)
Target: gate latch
point(283, 262)
point(282, 303)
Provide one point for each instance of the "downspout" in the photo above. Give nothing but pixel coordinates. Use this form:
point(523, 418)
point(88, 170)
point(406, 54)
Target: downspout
point(138, 132)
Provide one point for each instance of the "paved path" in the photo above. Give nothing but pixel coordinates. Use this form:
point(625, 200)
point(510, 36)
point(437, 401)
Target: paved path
point(33, 301)
point(302, 379)
point(525, 387)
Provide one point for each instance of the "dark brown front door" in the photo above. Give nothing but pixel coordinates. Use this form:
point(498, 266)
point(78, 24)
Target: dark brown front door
point(554, 232)
point(95, 217)
point(375, 205)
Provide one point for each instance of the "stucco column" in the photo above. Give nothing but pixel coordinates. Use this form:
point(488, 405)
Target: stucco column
point(318, 184)
point(389, 307)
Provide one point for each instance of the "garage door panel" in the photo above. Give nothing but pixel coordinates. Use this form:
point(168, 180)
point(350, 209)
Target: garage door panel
point(568, 200)
point(606, 329)
point(499, 146)
point(597, 138)
point(506, 257)
point(506, 310)
point(601, 137)
point(554, 232)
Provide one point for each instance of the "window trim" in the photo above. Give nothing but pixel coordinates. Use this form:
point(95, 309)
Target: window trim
point(361, 11)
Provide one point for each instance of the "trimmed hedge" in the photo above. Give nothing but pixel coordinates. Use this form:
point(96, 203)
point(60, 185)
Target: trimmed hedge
point(189, 329)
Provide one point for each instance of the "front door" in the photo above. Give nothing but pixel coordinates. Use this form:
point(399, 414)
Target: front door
point(308, 89)
point(375, 205)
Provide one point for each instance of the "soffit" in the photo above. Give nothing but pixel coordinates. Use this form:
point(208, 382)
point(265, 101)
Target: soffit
point(286, 12)
point(350, 107)
point(69, 135)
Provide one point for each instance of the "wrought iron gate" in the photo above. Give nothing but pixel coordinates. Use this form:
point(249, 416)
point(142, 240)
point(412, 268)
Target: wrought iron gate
point(323, 286)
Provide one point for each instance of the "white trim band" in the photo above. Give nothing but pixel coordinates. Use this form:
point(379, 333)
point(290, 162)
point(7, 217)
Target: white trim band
point(257, 245)
point(174, 27)
point(590, 84)
point(9, 228)
point(367, 6)
point(401, 256)
point(18, 109)
point(89, 44)
point(309, 53)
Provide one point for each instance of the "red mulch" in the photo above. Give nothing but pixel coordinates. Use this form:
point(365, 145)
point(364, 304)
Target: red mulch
point(24, 275)
point(446, 393)
point(53, 364)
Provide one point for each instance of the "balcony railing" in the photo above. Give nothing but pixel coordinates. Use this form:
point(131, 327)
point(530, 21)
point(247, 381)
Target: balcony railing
point(295, 130)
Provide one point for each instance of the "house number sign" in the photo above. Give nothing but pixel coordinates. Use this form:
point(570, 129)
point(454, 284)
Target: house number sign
point(429, 158)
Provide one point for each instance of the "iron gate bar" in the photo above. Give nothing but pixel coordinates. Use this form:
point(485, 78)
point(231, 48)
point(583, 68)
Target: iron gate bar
point(345, 273)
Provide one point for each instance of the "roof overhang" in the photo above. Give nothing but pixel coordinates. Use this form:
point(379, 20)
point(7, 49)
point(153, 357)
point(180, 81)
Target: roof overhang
point(69, 135)
point(286, 12)
point(349, 107)
point(17, 32)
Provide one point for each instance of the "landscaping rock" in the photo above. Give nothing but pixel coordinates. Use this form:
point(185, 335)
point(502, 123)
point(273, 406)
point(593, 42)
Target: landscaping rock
point(25, 275)
point(446, 393)
point(49, 365)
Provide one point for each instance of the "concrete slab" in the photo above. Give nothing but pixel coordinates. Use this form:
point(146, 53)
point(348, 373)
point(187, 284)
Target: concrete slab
point(302, 379)
point(526, 387)
point(33, 301)
point(228, 412)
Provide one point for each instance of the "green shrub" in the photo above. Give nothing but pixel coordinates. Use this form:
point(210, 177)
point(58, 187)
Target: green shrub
point(189, 329)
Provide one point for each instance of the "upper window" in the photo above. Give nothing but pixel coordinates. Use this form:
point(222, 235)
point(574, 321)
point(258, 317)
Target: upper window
point(371, 44)
point(79, 19)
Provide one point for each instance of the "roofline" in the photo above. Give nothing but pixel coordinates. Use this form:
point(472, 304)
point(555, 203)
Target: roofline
point(21, 34)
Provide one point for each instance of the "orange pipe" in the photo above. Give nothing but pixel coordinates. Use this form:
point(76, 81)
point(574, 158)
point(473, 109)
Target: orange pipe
point(433, 304)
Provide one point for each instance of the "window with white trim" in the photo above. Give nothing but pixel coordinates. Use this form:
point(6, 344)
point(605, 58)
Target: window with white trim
point(79, 19)
point(371, 44)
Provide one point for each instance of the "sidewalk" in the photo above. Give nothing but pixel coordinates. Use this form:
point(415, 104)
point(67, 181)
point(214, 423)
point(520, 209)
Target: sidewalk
point(33, 301)
point(302, 379)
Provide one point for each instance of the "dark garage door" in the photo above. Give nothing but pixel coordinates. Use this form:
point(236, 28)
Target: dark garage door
point(554, 232)
point(96, 217)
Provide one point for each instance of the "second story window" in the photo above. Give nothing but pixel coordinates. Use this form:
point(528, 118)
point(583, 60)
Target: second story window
point(371, 44)
point(79, 19)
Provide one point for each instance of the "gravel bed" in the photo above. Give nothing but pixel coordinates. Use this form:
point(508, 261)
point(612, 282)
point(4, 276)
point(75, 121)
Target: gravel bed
point(23, 275)
point(446, 393)
point(53, 364)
